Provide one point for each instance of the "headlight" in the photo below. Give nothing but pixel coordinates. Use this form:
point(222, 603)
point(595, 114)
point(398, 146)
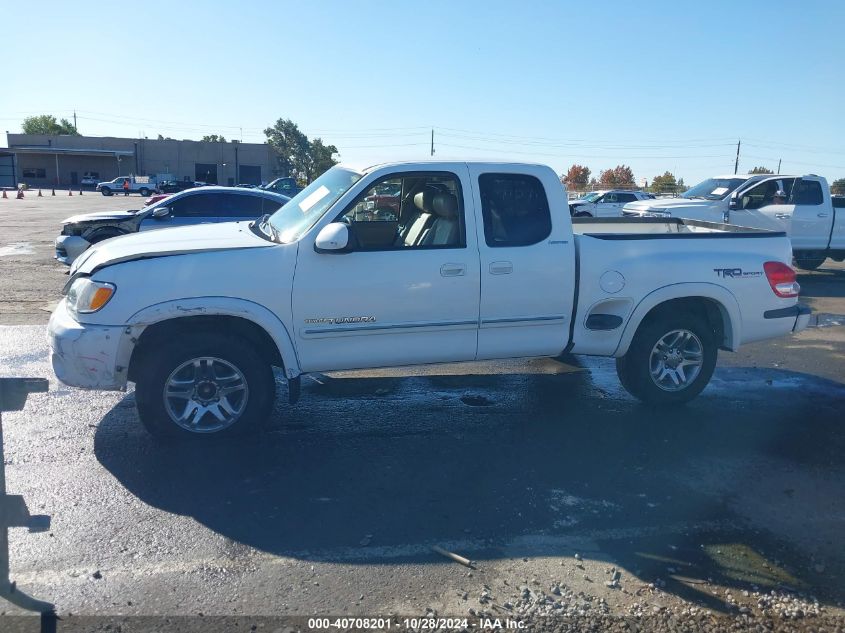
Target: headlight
point(86, 296)
point(660, 213)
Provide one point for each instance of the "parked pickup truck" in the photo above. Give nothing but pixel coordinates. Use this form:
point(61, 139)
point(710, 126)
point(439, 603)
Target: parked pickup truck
point(145, 187)
point(814, 222)
point(286, 186)
point(482, 262)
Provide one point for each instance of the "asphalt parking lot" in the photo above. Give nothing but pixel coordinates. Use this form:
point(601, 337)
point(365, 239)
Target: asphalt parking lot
point(732, 506)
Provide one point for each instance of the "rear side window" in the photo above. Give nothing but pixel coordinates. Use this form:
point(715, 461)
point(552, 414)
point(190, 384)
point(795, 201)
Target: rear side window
point(807, 192)
point(515, 210)
point(238, 206)
point(626, 197)
point(270, 205)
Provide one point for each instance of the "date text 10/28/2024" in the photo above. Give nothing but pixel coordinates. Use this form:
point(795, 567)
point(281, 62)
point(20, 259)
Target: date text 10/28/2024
point(416, 624)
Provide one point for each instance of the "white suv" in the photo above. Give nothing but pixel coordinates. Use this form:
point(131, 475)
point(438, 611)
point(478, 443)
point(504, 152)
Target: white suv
point(605, 204)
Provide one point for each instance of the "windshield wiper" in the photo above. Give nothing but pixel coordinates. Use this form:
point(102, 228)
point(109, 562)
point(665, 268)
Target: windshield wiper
point(265, 227)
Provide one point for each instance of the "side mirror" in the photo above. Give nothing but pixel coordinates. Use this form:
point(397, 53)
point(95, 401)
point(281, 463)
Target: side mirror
point(733, 203)
point(333, 238)
point(161, 212)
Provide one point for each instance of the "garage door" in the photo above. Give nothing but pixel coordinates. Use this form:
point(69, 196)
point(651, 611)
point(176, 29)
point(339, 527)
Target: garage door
point(7, 170)
point(249, 175)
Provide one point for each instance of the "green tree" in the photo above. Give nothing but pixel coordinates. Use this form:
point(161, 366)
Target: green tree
point(47, 124)
point(761, 170)
point(291, 147)
point(619, 176)
point(838, 187)
point(320, 158)
point(576, 178)
point(214, 138)
point(664, 184)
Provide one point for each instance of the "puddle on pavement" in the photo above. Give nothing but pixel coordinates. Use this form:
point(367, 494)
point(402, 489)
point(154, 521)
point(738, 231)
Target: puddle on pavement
point(16, 248)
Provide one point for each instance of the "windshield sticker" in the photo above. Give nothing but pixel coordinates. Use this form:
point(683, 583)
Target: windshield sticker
point(720, 191)
point(318, 194)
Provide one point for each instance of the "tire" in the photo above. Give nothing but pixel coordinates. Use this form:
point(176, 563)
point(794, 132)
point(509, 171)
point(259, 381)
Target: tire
point(809, 261)
point(583, 214)
point(647, 374)
point(208, 362)
point(144, 192)
point(105, 191)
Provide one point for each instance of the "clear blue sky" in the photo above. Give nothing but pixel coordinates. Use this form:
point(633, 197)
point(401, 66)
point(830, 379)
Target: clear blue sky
point(655, 85)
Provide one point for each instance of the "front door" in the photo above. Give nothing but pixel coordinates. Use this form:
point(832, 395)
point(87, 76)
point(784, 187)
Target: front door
point(527, 268)
point(407, 293)
point(811, 219)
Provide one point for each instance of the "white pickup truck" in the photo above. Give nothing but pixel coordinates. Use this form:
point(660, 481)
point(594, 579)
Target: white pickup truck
point(813, 220)
point(141, 184)
point(480, 261)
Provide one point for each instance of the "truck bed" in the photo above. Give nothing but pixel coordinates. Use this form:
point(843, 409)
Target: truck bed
point(655, 228)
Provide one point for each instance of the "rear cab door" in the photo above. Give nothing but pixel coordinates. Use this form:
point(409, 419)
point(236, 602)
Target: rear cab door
point(527, 255)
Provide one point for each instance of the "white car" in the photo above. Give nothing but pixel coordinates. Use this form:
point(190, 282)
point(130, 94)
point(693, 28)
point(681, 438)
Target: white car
point(814, 222)
point(481, 262)
point(605, 204)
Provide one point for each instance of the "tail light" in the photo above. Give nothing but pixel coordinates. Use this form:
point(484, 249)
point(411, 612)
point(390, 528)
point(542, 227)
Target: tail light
point(782, 279)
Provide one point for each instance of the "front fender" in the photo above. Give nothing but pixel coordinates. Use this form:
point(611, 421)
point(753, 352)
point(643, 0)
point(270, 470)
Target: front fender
point(724, 299)
point(223, 306)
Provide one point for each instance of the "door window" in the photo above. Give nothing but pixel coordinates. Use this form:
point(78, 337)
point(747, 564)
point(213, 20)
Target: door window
point(515, 210)
point(764, 193)
point(195, 206)
point(610, 198)
point(626, 197)
point(408, 211)
point(807, 192)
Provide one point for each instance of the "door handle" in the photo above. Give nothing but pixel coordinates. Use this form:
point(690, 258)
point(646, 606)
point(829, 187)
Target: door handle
point(822, 215)
point(501, 268)
point(453, 270)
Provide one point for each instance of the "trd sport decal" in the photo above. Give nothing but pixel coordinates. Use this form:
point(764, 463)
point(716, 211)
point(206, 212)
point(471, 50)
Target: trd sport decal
point(736, 273)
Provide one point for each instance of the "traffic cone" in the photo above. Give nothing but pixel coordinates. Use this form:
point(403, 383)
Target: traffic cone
point(20, 194)
point(54, 191)
point(39, 194)
point(80, 191)
point(5, 197)
point(70, 192)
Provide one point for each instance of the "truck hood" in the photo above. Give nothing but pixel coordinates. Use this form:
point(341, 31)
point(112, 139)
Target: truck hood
point(102, 216)
point(185, 240)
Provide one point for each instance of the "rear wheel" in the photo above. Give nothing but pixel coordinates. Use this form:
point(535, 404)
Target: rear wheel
point(809, 260)
point(202, 386)
point(144, 192)
point(670, 360)
point(583, 214)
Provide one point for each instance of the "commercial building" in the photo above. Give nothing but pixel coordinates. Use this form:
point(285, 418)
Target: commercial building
point(62, 161)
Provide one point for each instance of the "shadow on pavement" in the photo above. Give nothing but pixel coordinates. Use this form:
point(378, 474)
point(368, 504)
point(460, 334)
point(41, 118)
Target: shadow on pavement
point(375, 470)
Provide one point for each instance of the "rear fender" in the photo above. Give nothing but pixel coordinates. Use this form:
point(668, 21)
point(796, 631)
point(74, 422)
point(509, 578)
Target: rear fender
point(724, 299)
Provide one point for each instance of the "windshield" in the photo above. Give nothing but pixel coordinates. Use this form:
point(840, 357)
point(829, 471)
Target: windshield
point(309, 205)
point(714, 188)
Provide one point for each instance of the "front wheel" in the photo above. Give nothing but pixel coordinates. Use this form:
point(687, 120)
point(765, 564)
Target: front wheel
point(105, 191)
point(670, 360)
point(204, 385)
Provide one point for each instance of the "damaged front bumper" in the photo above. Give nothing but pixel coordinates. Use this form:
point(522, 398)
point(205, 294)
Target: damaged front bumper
point(87, 356)
point(69, 247)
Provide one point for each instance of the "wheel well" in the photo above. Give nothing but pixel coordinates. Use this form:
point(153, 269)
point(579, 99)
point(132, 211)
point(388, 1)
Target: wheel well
point(710, 310)
point(162, 332)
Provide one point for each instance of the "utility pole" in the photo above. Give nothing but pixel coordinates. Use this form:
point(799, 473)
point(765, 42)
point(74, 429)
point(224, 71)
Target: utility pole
point(779, 159)
point(74, 121)
point(432, 141)
point(736, 164)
